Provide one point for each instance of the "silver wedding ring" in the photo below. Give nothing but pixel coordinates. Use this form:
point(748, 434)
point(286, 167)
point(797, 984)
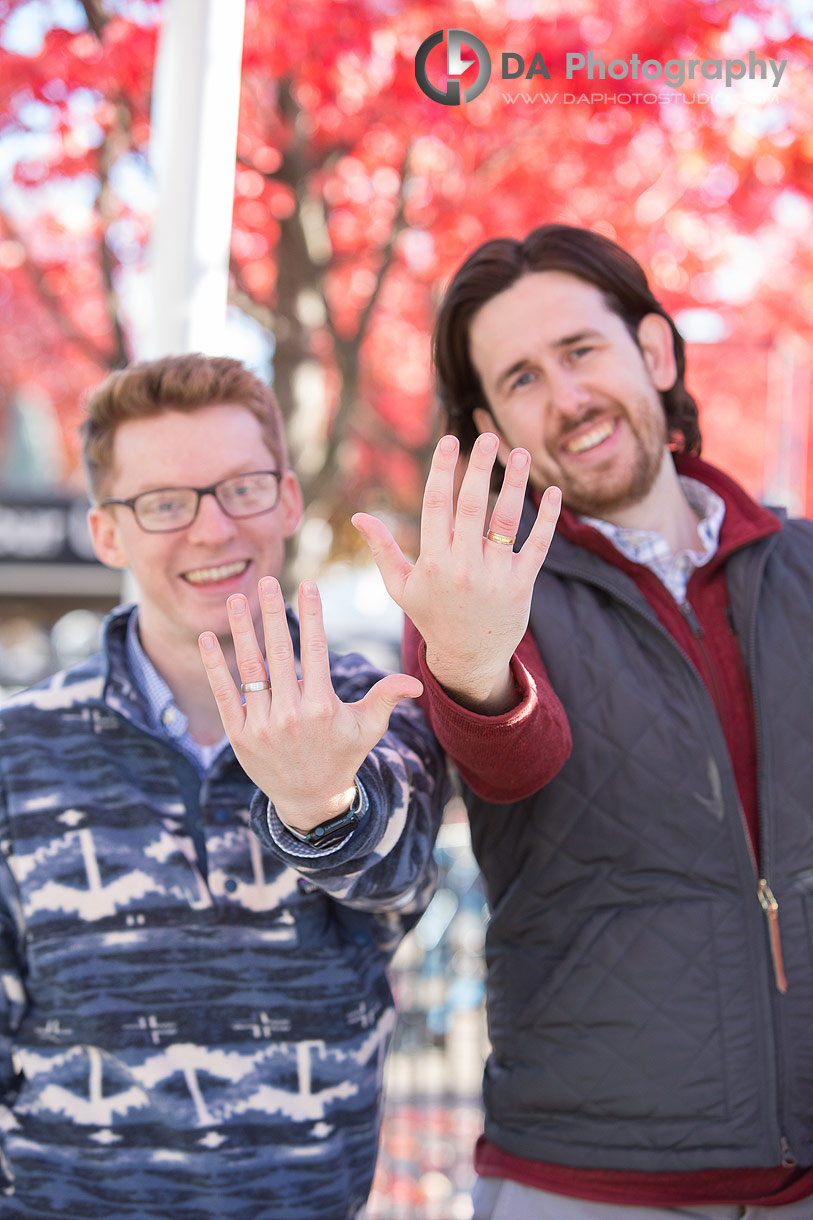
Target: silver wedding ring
point(249, 686)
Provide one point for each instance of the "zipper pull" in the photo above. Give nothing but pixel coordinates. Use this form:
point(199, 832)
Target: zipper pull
point(691, 618)
point(788, 1159)
point(771, 908)
point(729, 613)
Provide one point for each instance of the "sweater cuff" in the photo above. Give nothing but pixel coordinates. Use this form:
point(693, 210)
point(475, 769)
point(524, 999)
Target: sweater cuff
point(464, 720)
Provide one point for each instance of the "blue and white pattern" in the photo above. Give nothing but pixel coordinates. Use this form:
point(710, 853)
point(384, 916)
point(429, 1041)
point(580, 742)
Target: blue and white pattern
point(193, 1022)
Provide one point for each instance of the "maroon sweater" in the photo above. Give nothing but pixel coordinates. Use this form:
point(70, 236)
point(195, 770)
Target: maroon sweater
point(505, 758)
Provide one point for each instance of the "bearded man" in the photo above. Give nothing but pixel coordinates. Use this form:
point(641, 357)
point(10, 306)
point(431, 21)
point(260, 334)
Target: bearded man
point(644, 825)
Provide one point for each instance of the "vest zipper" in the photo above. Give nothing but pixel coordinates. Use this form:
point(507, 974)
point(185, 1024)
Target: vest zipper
point(788, 1159)
point(766, 898)
point(687, 611)
point(771, 908)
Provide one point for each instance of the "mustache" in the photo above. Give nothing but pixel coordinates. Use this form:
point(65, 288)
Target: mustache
point(587, 417)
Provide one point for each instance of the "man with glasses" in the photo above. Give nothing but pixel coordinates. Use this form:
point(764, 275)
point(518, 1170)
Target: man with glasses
point(194, 1010)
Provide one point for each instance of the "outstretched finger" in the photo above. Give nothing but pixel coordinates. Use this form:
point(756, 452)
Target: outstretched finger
point(250, 663)
point(508, 509)
point(374, 710)
point(437, 516)
point(317, 684)
point(537, 544)
point(472, 503)
point(279, 651)
point(227, 696)
point(387, 555)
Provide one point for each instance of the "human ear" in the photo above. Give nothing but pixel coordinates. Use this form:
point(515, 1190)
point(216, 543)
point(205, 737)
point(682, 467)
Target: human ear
point(658, 349)
point(290, 505)
point(104, 535)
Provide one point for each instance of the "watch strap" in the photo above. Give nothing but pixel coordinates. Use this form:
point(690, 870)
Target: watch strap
point(334, 830)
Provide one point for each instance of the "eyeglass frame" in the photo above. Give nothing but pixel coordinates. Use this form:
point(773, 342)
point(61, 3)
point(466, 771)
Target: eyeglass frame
point(200, 492)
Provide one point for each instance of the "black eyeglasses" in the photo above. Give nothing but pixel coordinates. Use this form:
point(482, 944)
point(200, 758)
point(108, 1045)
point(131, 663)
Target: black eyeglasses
point(175, 508)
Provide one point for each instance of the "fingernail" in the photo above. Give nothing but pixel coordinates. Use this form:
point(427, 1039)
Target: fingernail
point(488, 443)
point(309, 588)
point(237, 605)
point(519, 459)
point(448, 445)
point(268, 586)
point(555, 496)
point(207, 642)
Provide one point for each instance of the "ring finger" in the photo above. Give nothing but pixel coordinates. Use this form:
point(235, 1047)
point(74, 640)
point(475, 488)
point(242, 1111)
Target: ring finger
point(250, 664)
point(508, 509)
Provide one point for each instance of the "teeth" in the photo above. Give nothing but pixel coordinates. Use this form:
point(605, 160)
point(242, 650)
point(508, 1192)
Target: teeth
point(208, 576)
point(588, 440)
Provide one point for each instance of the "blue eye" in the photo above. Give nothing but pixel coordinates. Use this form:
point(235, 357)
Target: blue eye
point(522, 380)
point(166, 505)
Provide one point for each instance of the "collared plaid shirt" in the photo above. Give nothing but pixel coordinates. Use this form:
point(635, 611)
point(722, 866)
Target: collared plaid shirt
point(167, 718)
point(651, 549)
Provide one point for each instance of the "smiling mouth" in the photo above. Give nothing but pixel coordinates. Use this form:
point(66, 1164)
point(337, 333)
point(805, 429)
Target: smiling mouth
point(214, 575)
point(592, 438)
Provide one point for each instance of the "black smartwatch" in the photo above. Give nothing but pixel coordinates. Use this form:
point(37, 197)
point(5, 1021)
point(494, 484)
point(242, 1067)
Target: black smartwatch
point(326, 834)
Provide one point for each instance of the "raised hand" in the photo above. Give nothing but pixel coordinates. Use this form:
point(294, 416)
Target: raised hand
point(468, 595)
point(297, 741)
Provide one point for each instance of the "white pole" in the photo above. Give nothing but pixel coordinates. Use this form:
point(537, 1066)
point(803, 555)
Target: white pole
point(193, 151)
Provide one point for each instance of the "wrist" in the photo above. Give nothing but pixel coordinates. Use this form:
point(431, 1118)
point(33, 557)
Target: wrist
point(488, 693)
point(332, 833)
point(303, 819)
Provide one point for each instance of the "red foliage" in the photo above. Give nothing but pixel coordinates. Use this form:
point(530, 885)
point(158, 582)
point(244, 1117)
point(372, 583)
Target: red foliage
point(713, 197)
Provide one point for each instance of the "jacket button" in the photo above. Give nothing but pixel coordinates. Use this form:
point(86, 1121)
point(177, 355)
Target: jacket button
point(231, 885)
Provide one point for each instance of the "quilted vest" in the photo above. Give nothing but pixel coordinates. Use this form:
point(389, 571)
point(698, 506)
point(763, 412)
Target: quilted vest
point(634, 1012)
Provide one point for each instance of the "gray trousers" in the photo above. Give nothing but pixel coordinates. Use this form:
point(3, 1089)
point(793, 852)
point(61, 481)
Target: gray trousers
point(499, 1199)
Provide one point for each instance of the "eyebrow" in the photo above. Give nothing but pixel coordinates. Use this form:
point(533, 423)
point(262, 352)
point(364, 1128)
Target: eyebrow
point(235, 474)
point(566, 341)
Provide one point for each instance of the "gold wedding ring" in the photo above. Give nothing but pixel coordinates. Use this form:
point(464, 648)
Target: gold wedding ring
point(502, 539)
point(249, 686)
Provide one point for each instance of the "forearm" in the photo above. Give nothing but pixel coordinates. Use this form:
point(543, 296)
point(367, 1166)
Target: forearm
point(505, 757)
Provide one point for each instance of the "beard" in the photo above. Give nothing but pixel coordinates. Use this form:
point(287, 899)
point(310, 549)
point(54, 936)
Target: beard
point(611, 487)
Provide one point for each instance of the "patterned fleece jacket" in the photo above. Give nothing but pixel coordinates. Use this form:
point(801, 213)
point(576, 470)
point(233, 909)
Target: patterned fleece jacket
point(193, 1016)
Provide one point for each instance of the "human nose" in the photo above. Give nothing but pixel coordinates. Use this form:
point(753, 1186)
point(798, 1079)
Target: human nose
point(567, 394)
point(211, 523)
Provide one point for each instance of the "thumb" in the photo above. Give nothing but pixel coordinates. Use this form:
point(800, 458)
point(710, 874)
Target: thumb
point(388, 556)
point(375, 709)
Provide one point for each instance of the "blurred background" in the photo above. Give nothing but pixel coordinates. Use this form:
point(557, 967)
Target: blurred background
point(354, 197)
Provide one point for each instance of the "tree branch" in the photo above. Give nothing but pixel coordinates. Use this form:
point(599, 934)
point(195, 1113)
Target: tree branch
point(97, 17)
point(242, 300)
point(106, 212)
point(347, 350)
point(398, 227)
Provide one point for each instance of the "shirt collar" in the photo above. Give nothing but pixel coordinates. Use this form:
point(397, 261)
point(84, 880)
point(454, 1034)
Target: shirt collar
point(651, 549)
point(164, 713)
